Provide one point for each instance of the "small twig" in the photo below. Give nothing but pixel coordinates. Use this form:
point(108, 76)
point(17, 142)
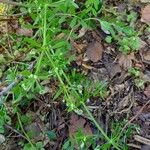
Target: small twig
point(11, 3)
point(21, 126)
point(134, 146)
point(14, 130)
point(134, 117)
point(142, 139)
point(13, 15)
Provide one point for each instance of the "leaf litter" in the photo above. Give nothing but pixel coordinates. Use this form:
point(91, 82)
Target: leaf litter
point(101, 65)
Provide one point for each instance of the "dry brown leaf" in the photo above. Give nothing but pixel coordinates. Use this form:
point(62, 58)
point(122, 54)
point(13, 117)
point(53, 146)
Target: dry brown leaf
point(60, 36)
point(94, 51)
point(143, 44)
point(112, 68)
point(25, 32)
point(79, 47)
point(147, 55)
point(147, 91)
point(146, 14)
point(78, 123)
point(125, 61)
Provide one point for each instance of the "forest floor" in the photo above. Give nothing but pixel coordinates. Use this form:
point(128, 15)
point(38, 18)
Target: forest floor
point(75, 75)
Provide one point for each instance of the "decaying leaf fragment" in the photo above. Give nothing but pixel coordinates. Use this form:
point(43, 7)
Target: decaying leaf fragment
point(125, 61)
point(94, 51)
point(146, 14)
point(25, 32)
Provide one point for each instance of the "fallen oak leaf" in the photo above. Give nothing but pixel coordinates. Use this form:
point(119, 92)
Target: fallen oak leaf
point(94, 51)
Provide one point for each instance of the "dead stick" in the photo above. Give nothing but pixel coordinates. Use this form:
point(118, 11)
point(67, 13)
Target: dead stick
point(142, 140)
point(14, 130)
point(139, 112)
point(11, 3)
point(134, 146)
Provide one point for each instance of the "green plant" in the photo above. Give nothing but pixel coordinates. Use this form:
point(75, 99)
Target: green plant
point(80, 141)
point(83, 142)
point(4, 118)
point(134, 72)
point(121, 32)
point(38, 146)
point(47, 57)
point(139, 82)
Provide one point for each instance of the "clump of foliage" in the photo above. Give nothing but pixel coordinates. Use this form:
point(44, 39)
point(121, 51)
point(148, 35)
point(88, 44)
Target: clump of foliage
point(118, 135)
point(47, 57)
point(136, 73)
point(121, 32)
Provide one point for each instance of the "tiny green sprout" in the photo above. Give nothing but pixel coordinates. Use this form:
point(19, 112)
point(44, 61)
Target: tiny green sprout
point(139, 83)
point(108, 39)
point(134, 72)
point(128, 44)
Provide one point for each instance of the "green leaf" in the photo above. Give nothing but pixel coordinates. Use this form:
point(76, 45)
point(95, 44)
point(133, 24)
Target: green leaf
point(51, 135)
point(39, 146)
point(59, 44)
point(1, 129)
point(73, 22)
point(96, 4)
point(32, 42)
point(107, 28)
point(62, 19)
point(108, 39)
point(94, 12)
point(58, 93)
point(83, 24)
point(66, 145)
point(29, 147)
point(74, 4)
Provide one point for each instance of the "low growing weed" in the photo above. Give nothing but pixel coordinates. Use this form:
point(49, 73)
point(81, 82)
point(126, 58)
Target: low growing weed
point(136, 73)
point(47, 56)
point(83, 142)
point(121, 32)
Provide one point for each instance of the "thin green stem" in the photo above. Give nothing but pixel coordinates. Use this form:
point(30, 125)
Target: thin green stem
point(44, 39)
point(98, 126)
point(21, 126)
point(57, 74)
point(88, 112)
point(54, 66)
point(44, 25)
